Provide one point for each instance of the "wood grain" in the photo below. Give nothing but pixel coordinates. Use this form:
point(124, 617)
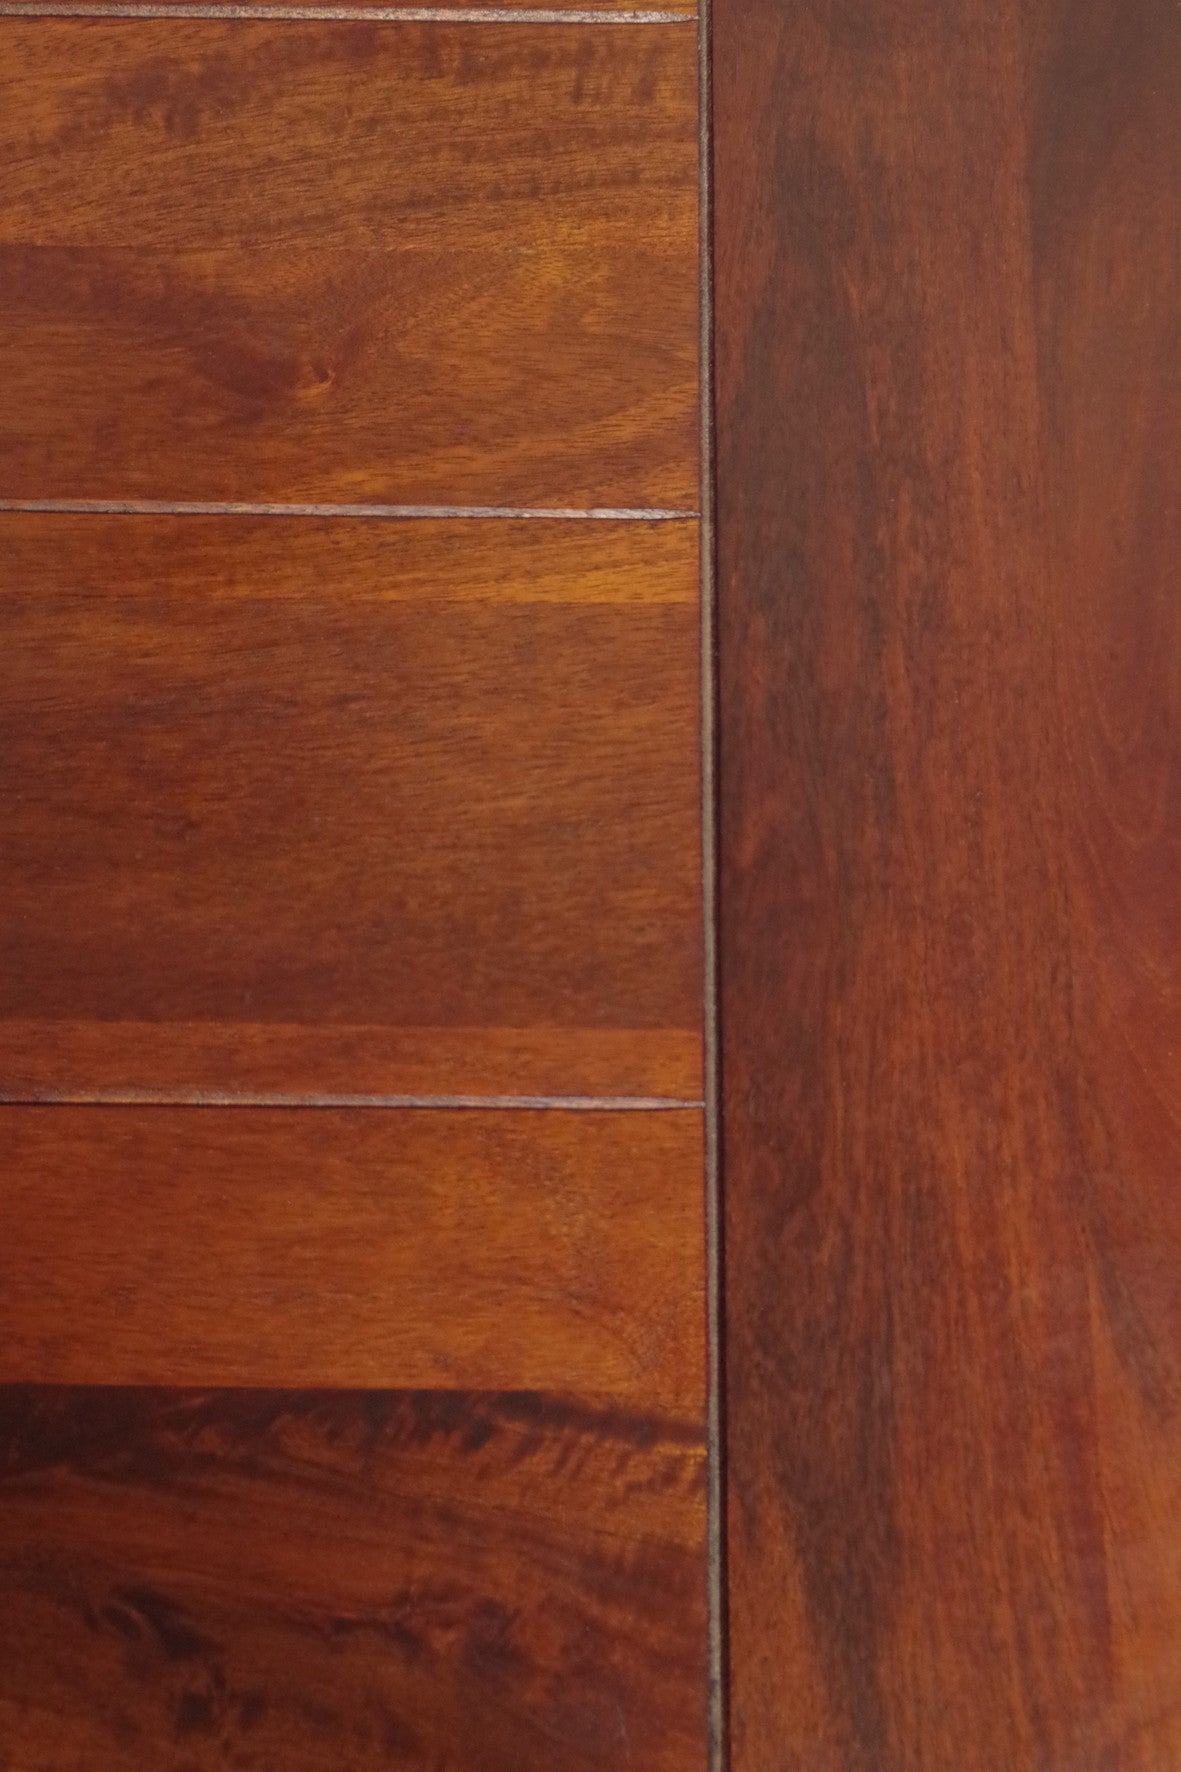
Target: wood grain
point(205, 1062)
point(685, 7)
point(948, 314)
point(444, 1582)
point(319, 807)
point(476, 1250)
point(392, 263)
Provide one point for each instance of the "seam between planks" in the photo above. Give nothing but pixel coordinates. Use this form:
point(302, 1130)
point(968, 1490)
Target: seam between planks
point(197, 1098)
point(152, 507)
point(717, 1747)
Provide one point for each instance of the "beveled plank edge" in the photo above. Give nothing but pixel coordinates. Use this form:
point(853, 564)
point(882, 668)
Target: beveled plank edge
point(149, 507)
point(717, 1664)
point(449, 15)
point(201, 1098)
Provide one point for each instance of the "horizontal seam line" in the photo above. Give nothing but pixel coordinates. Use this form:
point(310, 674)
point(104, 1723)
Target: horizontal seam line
point(379, 14)
point(266, 1099)
point(387, 513)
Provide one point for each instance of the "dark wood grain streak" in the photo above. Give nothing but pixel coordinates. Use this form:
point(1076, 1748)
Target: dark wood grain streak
point(473, 1249)
point(348, 808)
point(396, 263)
point(444, 1582)
point(949, 511)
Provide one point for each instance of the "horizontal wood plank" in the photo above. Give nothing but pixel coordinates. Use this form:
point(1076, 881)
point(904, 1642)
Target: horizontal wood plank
point(441, 1582)
point(343, 782)
point(219, 558)
point(398, 263)
point(632, 10)
point(260, 1062)
point(470, 1249)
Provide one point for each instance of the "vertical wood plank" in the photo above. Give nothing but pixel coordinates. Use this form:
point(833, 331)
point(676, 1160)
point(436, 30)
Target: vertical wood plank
point(948, 318)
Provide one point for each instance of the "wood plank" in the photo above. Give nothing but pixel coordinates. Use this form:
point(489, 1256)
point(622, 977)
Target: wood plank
point(443, 1582)
point(313, 807)
point(149, 8)
point(271, 1062)
point(71, 8)
point(949, 420)
point(474, 1250)
point(285, 261)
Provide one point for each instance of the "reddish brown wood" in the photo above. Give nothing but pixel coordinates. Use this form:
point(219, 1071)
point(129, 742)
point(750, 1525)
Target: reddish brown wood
point(278, 1063)
point(441, 1582)
point(393, 263)
point(543, 1250)
point(279, 794)
point(295, 809)
point(684, 7)
point(948, 314)
point(79, 8)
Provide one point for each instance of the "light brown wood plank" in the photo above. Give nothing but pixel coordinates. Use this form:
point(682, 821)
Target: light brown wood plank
point(148, 8)
point(213, 1246)
point(339, 783)
point(442, 1583)
point(79, 1061)
point(230, 558)
point(685, 8)
point(245, 261)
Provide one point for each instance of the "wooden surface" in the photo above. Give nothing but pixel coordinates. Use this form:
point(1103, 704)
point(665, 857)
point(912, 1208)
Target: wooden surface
point(396, 263)
point(80, 8)
point(459, 1582)
point(948, 315)
point(473, 1250)
point(350, 898)
point(685, 8)
point(278, 794)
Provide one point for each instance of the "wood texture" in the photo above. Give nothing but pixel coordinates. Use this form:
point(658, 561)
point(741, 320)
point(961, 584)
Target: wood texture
point(443, 1582)
point(320, 807)
point(473, 1250)
point(392, 263)
point(948, 324)
point(686, 8)
point(330, 1436)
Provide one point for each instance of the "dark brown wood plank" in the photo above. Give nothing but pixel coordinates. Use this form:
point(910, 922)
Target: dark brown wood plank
point(314, 807)
point(393, 263)
point(444, 1582)
point(948, 315)
point(206, 1246)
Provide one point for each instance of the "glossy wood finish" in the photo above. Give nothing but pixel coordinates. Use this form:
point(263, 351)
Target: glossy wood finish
point(300, 812)
point(278, 794)
point(685, 8)
point(272, 1063)
point(948, 314)
point(148, 8)
point(393, 263)
point(459, 1583)
point(544, 1250)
